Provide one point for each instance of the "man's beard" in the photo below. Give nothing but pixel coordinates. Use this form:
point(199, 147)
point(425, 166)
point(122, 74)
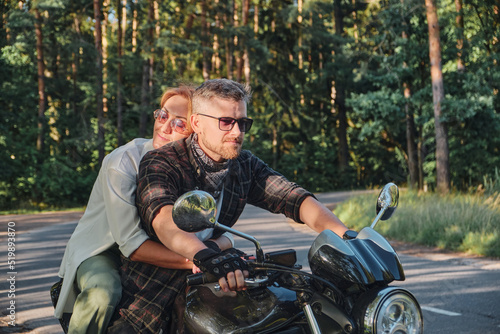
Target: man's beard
point(225, 152)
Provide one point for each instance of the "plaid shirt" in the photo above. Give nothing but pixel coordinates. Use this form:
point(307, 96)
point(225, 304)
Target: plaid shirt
point(164, 175)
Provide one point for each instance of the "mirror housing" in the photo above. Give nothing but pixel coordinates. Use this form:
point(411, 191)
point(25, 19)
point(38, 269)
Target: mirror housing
point(388, 200)
point(197, 210)
point(194, 211)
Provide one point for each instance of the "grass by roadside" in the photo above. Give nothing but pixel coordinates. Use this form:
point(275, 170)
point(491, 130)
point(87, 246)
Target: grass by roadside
point(459, 222)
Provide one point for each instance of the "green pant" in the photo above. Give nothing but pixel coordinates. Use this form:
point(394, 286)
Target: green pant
point(98, 281)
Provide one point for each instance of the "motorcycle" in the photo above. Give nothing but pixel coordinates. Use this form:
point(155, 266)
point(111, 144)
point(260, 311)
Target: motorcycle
point(347, 290)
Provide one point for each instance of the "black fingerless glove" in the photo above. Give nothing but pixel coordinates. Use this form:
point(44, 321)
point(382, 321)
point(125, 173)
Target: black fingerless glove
point(219, 264)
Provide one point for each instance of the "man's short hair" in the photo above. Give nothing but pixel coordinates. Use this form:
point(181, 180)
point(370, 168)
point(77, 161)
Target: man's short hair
point(222, 88)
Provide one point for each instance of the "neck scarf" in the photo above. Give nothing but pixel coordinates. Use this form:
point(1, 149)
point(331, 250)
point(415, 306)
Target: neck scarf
point(213, 173)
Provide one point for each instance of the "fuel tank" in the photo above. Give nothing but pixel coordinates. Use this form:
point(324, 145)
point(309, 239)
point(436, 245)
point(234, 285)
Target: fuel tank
point(365, 260)
point(257, 310)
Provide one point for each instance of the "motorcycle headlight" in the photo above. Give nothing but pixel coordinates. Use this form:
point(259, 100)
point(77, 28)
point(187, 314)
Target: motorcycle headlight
point(390, 310)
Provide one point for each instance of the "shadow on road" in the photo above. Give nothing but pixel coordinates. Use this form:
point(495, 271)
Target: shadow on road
point(38, 254)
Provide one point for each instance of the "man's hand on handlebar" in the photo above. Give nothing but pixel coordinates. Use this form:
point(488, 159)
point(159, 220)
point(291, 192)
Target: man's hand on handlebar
point(228, 266)
point(234, 281)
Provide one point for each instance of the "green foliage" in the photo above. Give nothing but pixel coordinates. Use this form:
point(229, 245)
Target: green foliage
point(468, 223)
point(69, 187)
point(301, 71)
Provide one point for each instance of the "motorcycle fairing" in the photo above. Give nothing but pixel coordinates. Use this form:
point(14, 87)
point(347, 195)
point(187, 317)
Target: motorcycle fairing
point(252, 311)
point(365, 260)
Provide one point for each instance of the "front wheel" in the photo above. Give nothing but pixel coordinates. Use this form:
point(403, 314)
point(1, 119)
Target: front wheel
point(390, 310)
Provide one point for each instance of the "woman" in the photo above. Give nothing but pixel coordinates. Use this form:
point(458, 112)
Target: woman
point(91, 287)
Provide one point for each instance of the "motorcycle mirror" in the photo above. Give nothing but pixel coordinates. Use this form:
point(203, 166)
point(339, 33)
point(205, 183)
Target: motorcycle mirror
point(388, 200)
point(194, 211)
point(197, 210)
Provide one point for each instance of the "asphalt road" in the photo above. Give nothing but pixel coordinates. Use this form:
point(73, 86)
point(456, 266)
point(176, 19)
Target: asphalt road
point(458, 294)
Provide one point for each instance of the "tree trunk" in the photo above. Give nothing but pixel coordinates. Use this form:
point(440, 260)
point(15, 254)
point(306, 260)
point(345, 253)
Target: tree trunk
point(255, 36)
point(299, 21)
point(355, 21)
point(99, 80)
point(246, 66)
point(411, 144)
point(442, 150)
point(422, 153)
point(342, 130)
point(411, 136)
point(460, 39)
point(124, 21)
point(75, 67)
point(105, 58)
point(228, 44)
point(119, 74)
point(3, 24)
point(216, 61)
point(143, 119)
point(340, 95)
point(154, 35)
point(275, 146)
point(245, 61)
point(56, 59)
point(134, 26)
point(146, 88)
point(237, 42)
point(205, 41)
point(188, 28)
point(41, 82)
point(157, 19)
point(256, 19)
point(74, 73)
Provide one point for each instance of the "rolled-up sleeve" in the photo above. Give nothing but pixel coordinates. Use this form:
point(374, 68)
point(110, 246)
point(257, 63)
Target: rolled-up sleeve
point(119, 196)
point(158, 185)
point(272, 191)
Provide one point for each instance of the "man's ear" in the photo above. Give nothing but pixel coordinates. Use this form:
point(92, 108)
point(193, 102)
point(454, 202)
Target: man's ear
point(195, 123)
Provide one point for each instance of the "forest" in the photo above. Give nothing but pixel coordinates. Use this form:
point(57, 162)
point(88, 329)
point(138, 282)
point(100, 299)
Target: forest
point(347, 94)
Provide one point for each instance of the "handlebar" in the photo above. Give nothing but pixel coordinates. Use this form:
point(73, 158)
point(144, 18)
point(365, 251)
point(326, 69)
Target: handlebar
point(200, 278)
point(203, 278)
point(286, 258)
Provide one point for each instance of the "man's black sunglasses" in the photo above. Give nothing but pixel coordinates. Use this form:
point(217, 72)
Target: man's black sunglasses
point(227, 123)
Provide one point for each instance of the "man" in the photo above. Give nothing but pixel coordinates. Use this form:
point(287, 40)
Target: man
point(91, 287)
point(211, 159)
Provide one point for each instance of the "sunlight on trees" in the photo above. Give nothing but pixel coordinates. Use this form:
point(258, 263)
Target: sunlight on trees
point(342, 89)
